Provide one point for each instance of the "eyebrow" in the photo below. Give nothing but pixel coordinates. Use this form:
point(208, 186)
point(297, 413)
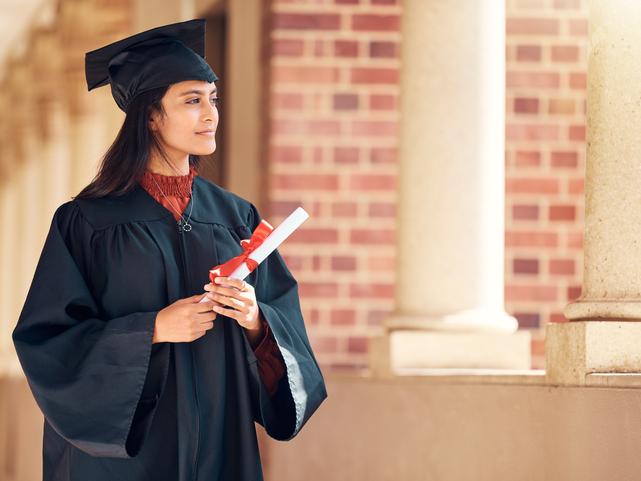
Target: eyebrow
point(197, 92)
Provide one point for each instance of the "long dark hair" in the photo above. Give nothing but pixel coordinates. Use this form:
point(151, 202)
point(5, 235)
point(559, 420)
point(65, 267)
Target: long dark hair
point(125, 161)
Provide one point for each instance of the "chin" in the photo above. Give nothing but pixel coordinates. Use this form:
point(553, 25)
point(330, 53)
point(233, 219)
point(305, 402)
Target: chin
point(204, 150)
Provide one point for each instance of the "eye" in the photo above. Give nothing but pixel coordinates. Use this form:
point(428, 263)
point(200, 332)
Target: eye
point(215, 99)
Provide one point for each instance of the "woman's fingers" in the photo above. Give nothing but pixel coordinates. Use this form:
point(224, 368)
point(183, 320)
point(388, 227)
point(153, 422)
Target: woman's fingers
point(229, 301)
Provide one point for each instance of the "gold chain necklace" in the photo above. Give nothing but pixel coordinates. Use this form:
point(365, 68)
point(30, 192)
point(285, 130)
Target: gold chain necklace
point(183, 225)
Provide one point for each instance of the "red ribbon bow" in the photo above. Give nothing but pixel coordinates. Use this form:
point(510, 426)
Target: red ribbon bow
point(249, 245)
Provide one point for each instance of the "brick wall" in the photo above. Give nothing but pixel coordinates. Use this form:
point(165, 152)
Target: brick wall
point(545, 160)
point(331, 146)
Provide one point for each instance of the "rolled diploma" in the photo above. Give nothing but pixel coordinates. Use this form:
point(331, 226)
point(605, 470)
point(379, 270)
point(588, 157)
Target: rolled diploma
point(271, 242)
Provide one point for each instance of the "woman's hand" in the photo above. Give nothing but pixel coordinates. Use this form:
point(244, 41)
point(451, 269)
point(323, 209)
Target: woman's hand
point(184, 321)
point(236, 299)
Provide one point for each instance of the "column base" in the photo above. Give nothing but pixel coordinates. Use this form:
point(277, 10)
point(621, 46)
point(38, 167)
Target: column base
point(406, 351)
point(578, 348)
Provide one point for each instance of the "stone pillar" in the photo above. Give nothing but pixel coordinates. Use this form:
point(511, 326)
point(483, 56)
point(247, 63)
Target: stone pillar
point(599, 338)
point(449, 299)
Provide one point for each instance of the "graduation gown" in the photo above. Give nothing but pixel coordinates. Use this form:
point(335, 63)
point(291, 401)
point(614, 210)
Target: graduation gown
point(117, 406)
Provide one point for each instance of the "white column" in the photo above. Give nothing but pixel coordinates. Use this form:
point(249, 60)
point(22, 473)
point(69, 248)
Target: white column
point(451, 197)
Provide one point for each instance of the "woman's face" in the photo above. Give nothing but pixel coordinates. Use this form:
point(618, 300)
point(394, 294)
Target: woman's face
point(190, 108)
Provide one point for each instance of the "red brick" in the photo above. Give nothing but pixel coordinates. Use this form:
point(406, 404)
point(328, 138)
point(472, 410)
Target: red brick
point(346, 155)
point(286, 154)
point(382, 209)
point(372, 236)
point(306, 181)
point(311, 235)
point(344, 209)
point(282, 207)
point(306, 21)
point(530, 292)
point(524, 105)
point(378, 49)
point(343, 263)
point(287, 101)
point(293, 262)
point(316, 263)
point(578, 80)
point(288, 47)
point(528, 319)
point(357, 344)
point(371, 290)
point(532, 26)
point(525, 266)
point(573, 293)
point(525, 212)
point(324, 344)
point(531, 239)
point(562, 212)
point(375, 23)
point(528, 53)
point(318, 289)
point(565, 53)
point(568, 159)
point(563, 267)
point(374, 75)
point(376, 317)
point(346, 2)
point(528, 158)
point(346, 48)
point(345, 101)
point(532, 185)
point(375, 128)
point(373, 182)
point(382, 102)
point(578, 27)
point(294, 126)
point(561, 107)
point(542, 80)
point(557, 317)
point(577, 132)
point(532, 132)
point(575, 240)
point(576, 186)
point(305, 74)
point(383, 155)
point(384, 2)
point(342, 317)
point(378, 263)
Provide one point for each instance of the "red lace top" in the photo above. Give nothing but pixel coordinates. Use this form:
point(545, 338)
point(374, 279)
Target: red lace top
point(177, 189)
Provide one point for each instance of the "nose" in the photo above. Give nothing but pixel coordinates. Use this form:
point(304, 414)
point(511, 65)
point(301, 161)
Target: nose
point(210, 112)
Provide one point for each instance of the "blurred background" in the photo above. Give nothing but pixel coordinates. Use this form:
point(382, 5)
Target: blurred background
point(440, 149)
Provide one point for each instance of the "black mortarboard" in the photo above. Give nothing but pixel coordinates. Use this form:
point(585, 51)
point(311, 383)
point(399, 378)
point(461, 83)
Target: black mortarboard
point(153, 58)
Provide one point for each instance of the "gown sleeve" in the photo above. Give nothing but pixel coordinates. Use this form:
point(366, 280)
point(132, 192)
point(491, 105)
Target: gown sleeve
point(87, 373)
point(301, 391)
point(271, 366)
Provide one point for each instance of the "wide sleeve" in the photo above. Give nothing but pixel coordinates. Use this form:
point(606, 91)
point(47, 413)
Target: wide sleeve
point(301, 391)
point(87, 373)
point(271, 366)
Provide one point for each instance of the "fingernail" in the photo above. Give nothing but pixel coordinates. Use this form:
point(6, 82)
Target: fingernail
point(218, 280)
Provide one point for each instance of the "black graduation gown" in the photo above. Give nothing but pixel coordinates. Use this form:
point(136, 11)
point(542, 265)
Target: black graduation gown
point(118, 407)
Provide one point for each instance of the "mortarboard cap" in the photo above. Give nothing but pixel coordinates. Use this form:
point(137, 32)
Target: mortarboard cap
point(153, 58)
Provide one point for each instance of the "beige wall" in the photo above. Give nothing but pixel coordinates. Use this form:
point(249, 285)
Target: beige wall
point(430, 428)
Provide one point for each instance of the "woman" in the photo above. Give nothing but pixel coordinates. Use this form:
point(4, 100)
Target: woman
point(136, 379)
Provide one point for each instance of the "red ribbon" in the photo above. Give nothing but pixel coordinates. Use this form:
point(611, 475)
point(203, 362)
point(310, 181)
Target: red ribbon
point(249, 245)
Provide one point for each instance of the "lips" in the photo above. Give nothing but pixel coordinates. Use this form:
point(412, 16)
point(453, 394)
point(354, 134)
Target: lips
point(207, 132)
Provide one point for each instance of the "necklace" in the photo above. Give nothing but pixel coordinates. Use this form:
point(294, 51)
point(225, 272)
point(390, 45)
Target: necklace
point(183, 225)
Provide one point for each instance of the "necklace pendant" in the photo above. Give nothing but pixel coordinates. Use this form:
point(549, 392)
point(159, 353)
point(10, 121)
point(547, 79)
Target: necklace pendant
point(183, 226)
